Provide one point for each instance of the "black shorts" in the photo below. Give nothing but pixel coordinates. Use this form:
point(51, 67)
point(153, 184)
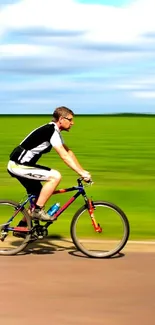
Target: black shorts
point(29, 176)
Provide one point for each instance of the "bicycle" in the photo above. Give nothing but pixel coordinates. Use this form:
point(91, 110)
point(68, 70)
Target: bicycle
point(98, 229)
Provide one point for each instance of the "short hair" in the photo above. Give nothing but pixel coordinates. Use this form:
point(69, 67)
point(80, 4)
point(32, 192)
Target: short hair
point(61, 111)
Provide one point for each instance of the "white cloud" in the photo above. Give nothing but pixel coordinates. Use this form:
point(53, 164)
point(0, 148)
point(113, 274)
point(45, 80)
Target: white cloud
point(102, 23)
point(144, 94)
point(145, 84)
point(57, 85)
point(32, 101)
point(17, 50)
point(44, 13)
point(39, 36)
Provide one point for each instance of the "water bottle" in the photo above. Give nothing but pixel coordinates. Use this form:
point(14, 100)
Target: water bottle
point(53, 209)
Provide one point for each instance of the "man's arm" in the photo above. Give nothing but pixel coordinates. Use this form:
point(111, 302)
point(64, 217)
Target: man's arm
point(70, 152)
point(69, 158)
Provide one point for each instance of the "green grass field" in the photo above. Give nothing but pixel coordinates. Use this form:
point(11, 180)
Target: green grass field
point(118, 151)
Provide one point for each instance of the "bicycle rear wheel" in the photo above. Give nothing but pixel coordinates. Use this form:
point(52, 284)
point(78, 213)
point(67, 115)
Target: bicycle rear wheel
point(10, 215)
point(114, 230)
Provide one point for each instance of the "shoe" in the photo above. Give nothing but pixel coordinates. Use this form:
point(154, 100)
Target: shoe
point(40, 214)
point(19, 233)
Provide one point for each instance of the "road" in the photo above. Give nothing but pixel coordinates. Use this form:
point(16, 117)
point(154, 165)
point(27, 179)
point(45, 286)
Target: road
point(56, 285)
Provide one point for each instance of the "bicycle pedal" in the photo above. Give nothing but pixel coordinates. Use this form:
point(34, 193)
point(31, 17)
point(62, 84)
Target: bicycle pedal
point(40, 237)
point(3, 235)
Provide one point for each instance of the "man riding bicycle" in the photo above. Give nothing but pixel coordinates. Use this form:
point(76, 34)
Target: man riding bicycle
point(23, 159)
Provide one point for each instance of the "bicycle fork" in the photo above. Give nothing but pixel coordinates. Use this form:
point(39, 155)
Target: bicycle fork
point(91, 213)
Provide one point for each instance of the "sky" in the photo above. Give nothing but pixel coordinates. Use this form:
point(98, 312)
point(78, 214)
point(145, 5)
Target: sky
point(95, 57)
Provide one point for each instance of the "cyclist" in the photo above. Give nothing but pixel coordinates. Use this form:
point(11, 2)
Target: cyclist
point(23, 159)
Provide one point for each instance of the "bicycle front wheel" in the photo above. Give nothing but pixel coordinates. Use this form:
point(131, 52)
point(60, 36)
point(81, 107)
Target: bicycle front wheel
point(113, 235)
point(10, 215)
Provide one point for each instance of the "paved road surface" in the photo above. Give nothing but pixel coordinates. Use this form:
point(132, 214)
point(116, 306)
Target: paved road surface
point(57, 286)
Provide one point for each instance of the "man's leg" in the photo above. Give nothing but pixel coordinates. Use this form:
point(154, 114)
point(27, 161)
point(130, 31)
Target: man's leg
point(31, 176)
point(45, 194)
point(49, 187)
point(33, 187)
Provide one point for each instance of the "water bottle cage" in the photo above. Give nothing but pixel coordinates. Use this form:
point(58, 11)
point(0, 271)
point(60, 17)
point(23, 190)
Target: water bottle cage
point(53, 209)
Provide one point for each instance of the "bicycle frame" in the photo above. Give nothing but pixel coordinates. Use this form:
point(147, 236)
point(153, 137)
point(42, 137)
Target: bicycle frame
point(83, 222)
point(88, 202)
point(80, 191)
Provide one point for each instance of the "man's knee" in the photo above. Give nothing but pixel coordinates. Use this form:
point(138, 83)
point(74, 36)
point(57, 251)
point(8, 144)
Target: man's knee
point(54, 174)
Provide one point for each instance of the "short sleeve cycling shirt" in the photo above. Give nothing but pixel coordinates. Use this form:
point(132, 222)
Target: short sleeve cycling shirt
point(38, 142)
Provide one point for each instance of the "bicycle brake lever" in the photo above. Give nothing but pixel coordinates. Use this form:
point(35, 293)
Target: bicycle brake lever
point(90, 183)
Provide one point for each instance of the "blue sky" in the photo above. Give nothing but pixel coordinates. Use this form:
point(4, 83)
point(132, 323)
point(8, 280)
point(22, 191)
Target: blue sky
point(91, 56)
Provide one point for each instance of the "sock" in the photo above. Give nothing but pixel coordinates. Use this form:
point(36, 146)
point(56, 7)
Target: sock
point(38, 207)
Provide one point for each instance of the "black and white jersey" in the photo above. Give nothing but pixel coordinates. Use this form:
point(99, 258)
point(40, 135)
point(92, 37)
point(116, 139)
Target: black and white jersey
point(38, 142)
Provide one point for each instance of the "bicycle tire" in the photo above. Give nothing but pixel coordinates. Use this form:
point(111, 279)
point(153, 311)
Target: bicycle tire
point(100, 254)
point(24, 241)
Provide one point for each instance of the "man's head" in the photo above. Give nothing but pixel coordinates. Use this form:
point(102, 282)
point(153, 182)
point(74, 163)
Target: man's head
point(63, 116)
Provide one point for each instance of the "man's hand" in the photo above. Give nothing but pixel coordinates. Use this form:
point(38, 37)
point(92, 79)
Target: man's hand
point(86, 175)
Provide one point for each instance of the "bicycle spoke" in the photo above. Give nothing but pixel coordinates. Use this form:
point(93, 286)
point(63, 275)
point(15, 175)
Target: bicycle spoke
point(9, 243)
point(103, 238)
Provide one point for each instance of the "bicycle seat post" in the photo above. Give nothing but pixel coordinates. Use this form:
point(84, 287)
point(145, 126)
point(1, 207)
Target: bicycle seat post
point(32, 201)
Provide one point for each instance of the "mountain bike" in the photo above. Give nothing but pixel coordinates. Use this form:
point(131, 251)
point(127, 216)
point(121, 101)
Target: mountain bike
point(98, 229)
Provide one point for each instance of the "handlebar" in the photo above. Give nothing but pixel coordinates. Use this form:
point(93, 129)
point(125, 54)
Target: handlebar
point(81, 179)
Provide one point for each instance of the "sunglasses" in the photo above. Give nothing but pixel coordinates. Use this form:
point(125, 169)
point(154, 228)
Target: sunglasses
point(69, 119)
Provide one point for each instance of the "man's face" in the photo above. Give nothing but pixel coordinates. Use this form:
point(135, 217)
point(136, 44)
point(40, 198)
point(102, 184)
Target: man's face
point(66, 122)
